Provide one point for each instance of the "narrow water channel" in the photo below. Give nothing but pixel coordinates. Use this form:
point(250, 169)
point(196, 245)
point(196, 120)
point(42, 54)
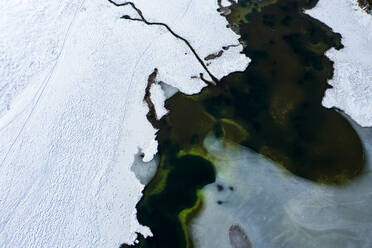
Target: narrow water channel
point(272, 108)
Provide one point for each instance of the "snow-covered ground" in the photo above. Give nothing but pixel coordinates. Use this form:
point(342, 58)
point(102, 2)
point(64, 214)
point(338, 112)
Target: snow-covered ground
point(32, 35)
point(352, 81)
point(72, 116)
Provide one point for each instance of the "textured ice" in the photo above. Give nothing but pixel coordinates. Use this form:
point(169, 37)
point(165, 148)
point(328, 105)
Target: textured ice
point(352, 81)
point(72, 115)
point(277, 209)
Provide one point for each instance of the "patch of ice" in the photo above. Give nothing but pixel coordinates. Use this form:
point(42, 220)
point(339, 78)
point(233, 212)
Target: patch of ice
point(168, 90)
point(144, 171)
point(226, 3)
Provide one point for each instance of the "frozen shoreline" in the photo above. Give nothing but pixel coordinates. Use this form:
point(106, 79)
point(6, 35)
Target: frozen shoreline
point(69, 136)
point(352, 80)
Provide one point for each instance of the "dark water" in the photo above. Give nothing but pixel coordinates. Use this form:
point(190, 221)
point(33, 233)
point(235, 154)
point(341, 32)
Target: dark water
point(366, 5)
point(274, 108)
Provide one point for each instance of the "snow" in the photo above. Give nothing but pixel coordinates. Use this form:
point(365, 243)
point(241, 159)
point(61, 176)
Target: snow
point(158, 98)
point(27, 51)
point(352, 81)
point(72, 115)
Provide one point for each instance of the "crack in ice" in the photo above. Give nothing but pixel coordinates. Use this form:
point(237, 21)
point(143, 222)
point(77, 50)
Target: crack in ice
point(144, 20)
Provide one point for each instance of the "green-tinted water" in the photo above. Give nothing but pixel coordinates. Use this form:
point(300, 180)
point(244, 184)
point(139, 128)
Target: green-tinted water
point(274, 108)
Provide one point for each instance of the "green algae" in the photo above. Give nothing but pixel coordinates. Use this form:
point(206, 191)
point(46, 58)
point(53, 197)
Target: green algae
point(188, 214)
point(273, 107)
point(188, 174)
point(233, 131)
point(158, 183)
point(241, 13)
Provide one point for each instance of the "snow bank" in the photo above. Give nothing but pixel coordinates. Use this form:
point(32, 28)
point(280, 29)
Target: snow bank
point(72, 126)
point(352, 81)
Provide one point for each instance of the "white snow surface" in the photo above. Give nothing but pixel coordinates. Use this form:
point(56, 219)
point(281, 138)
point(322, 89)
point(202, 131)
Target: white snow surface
point(158, 98)
point(27, 51)
point(352, 80)
point(72, 116)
